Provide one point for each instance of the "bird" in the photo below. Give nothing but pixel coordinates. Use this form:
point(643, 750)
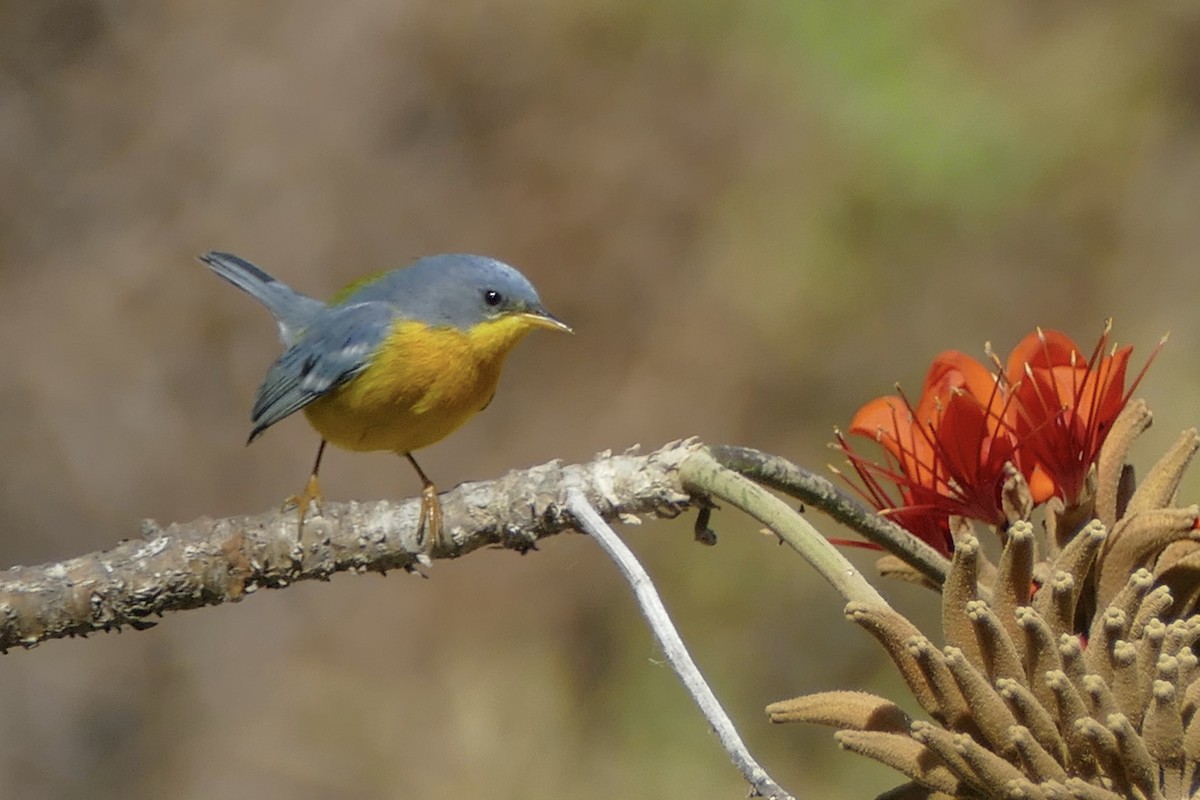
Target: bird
point(397, 360)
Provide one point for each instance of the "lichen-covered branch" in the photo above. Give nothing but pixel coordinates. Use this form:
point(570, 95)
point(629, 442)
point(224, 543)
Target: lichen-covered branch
point(212, 561)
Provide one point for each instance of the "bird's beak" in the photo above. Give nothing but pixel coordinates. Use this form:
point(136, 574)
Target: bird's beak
point(544, 319)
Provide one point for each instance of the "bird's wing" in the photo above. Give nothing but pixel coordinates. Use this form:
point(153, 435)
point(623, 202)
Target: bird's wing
point(335, 347)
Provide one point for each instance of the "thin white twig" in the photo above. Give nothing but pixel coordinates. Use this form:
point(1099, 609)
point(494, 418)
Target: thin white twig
point(668, 639)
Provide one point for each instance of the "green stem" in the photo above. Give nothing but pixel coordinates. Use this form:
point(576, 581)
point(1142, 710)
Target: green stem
point(817, 491)
point(702, 474)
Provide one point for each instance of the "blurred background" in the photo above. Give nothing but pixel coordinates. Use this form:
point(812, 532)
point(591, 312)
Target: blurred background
point(756, 216)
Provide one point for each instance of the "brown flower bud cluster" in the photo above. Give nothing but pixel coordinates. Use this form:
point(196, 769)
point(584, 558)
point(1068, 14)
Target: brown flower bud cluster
point(1069, 666)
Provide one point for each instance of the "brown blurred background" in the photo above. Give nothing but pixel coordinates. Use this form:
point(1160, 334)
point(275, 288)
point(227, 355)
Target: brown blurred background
point(757, 217)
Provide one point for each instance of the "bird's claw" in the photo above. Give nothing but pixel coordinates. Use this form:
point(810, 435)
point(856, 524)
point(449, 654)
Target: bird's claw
point(429, 527)
point(310, 498)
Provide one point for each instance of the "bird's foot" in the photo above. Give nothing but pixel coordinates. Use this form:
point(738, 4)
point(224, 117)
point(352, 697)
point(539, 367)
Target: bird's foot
point(310, 498)
point(429, 528)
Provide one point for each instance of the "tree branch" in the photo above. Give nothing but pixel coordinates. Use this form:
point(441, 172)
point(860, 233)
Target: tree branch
point(672, 646)
point(211, 561)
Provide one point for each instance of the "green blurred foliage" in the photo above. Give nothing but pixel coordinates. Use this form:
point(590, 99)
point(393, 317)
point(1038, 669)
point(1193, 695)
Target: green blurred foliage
point(756, 216)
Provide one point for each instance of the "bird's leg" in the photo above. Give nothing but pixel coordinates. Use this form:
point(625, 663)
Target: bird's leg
point(312, 490)
point(429, 528)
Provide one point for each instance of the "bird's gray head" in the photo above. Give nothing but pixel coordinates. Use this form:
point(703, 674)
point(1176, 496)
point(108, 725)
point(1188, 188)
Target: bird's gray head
point(458, 290)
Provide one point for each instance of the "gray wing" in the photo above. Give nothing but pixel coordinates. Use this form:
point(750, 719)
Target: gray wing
point(335, 347)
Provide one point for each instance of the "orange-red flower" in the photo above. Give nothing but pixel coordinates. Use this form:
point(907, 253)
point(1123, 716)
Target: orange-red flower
point(946, 457)
point(1047, 414)
point(1063, 408)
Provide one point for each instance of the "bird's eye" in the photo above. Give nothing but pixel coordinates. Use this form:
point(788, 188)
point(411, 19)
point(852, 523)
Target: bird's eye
point(492, 297)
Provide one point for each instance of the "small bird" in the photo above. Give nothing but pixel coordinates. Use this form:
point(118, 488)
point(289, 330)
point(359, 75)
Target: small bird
point(395, 361)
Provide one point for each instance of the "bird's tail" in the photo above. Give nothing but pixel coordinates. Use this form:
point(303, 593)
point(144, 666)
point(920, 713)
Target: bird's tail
point(292, 311)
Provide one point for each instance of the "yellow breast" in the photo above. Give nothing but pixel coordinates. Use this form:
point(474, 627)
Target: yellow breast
point(422, 384)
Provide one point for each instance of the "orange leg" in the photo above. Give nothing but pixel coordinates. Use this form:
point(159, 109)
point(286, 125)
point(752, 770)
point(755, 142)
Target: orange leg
point(429, 528)
point(311, 496)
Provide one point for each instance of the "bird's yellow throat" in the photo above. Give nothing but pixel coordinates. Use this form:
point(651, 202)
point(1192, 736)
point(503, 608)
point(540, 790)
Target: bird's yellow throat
point(422, 384)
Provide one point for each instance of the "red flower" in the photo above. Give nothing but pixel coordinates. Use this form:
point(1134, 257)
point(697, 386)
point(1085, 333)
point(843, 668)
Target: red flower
point(1047, 414)
point(1063, 407)
point(946, 457)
